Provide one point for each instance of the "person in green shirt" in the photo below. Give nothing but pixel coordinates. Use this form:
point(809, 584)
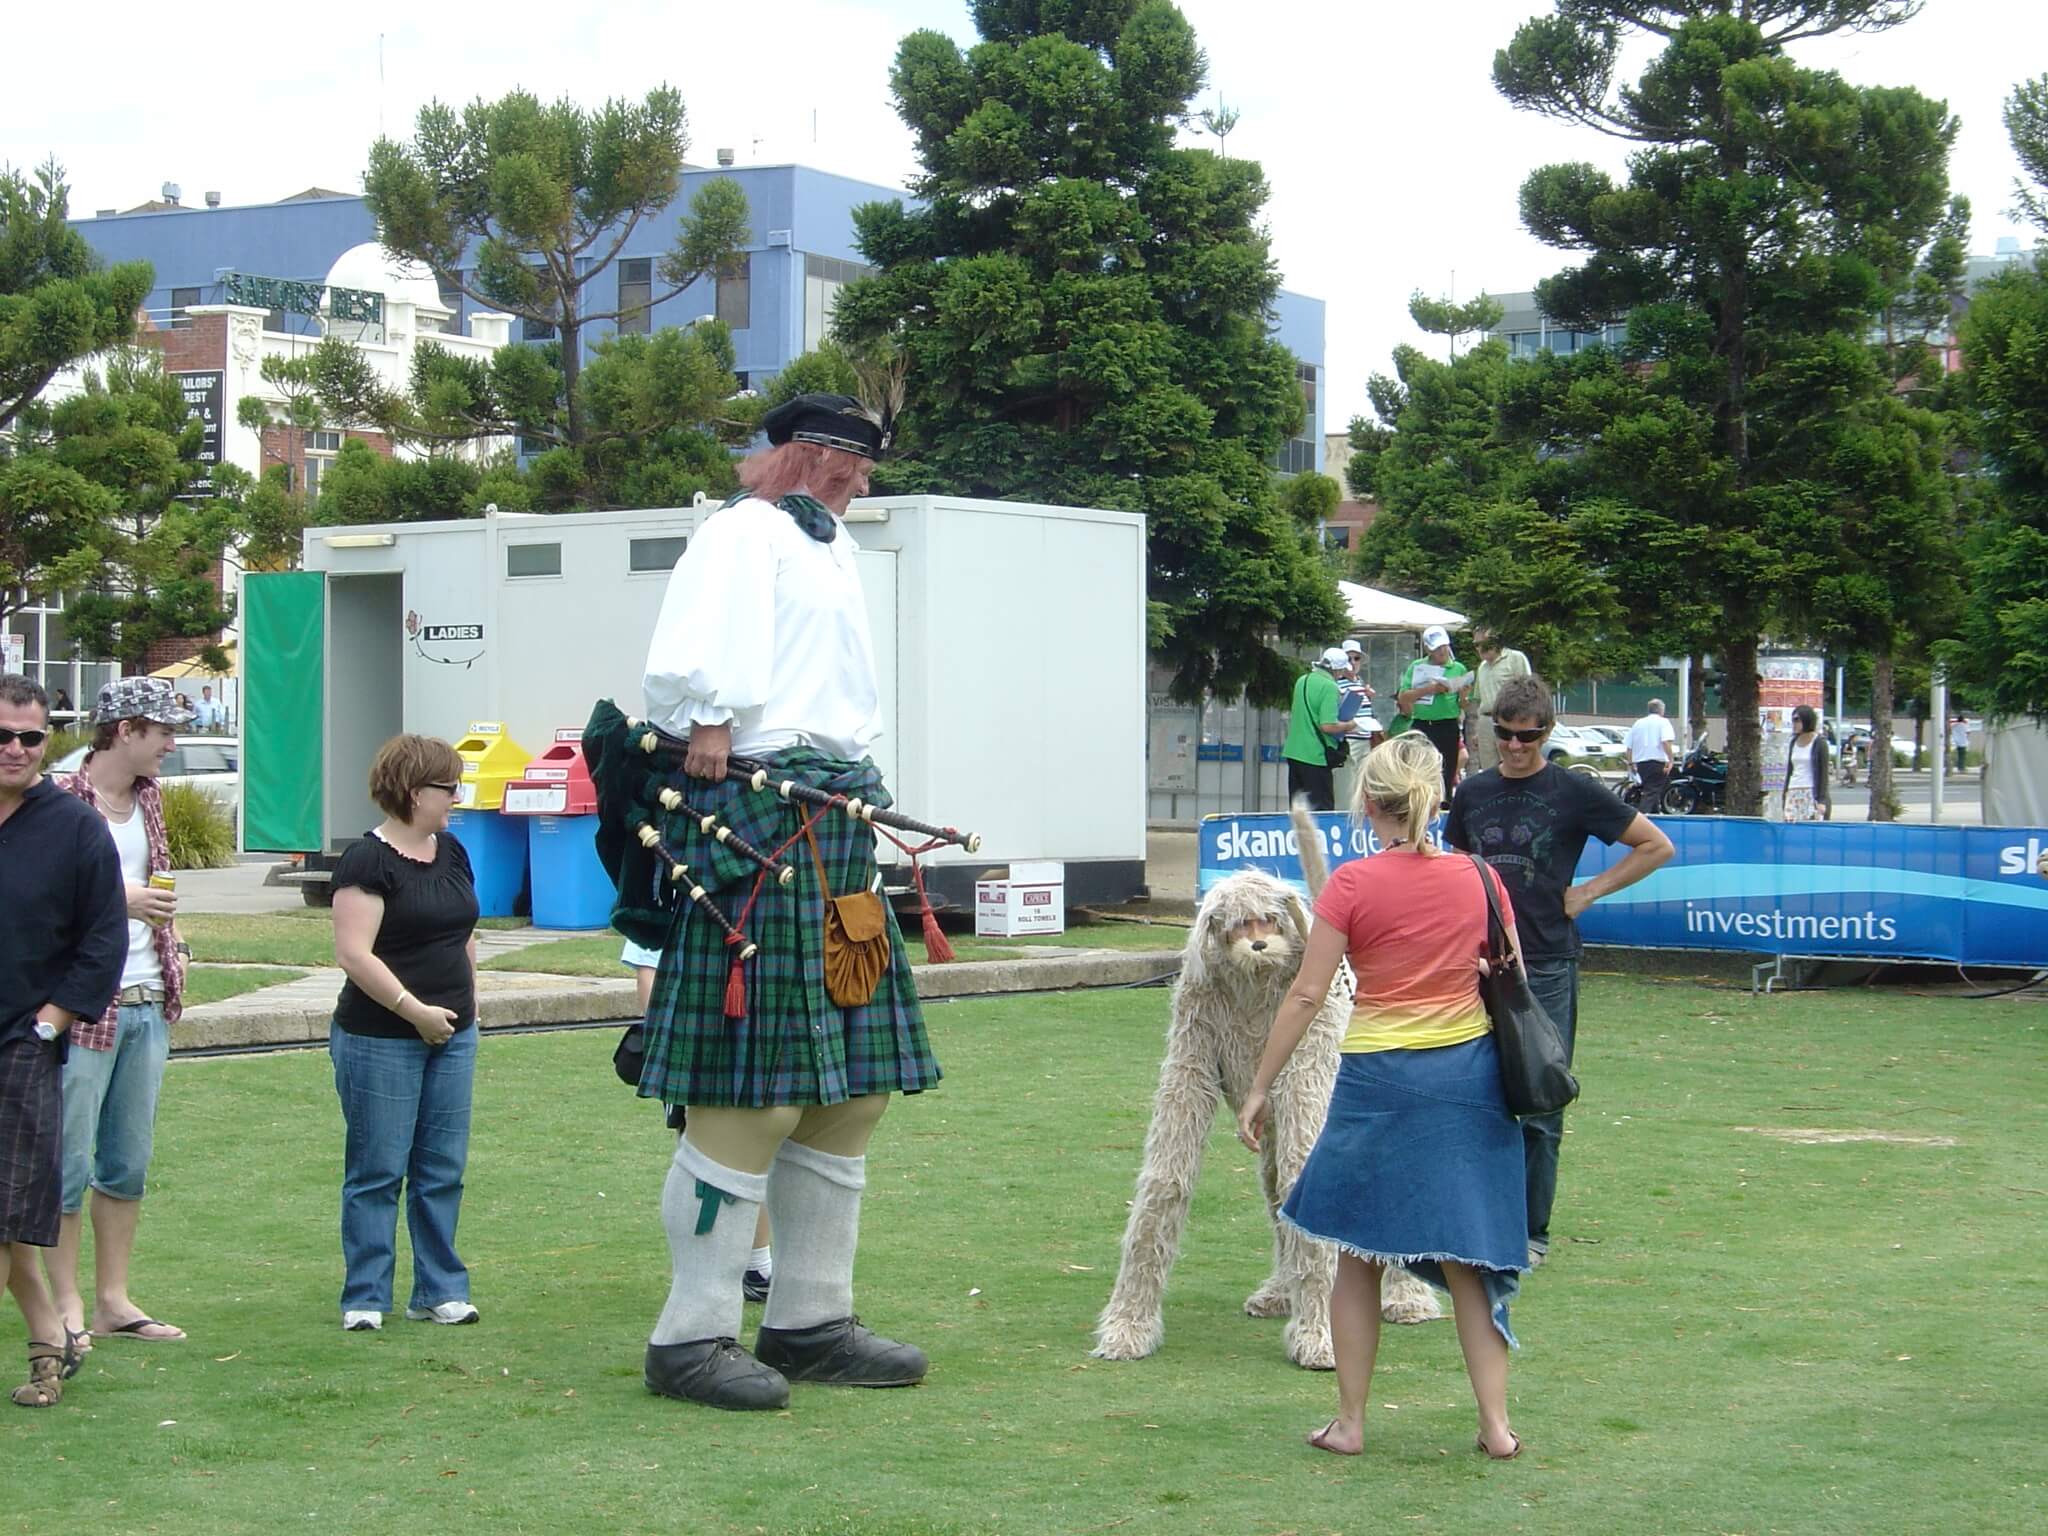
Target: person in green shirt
point(1313, 729)
point(1436, 703)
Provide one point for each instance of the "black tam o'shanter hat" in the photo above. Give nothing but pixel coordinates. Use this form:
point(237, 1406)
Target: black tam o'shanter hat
point(831, 421)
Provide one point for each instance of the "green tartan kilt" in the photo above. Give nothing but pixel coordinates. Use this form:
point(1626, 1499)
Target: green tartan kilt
point(795, 1045)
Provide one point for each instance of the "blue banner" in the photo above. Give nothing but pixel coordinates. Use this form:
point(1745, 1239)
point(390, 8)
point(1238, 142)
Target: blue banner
point(1973, 895)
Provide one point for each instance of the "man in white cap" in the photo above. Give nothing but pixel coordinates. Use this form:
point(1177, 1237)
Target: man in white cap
point(1314, 747)
point(1432, 696)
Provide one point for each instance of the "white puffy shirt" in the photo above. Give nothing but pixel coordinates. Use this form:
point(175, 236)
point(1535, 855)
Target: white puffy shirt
point(766, 628)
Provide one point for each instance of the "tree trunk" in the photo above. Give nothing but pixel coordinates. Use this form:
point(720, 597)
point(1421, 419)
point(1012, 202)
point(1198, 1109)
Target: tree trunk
point(571, 334)
point(1883, 803)
point(1740, 691)
point(1696, 700)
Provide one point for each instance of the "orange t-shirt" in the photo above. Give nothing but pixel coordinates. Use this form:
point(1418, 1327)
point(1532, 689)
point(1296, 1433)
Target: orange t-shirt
point(1414, 927)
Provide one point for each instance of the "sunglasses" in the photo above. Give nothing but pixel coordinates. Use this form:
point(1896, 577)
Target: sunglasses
point(450, 789)
point(1527, 738)
point(29, 739)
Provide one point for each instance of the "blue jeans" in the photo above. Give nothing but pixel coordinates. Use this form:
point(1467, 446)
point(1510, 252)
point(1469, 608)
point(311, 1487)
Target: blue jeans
point(110, 1107)
point(406, 1104)
point(1555, 982)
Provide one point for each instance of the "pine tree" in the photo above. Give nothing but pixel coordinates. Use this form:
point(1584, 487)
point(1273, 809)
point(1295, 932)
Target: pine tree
point(1085, 309)
point(1738, 246)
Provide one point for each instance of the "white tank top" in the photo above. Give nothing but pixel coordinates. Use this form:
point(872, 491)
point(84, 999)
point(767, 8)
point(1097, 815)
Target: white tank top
point(143, 969)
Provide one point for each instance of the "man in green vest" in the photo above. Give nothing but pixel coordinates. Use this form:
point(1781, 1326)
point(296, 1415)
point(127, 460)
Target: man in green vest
point(1432, 695)
point(1312, 748)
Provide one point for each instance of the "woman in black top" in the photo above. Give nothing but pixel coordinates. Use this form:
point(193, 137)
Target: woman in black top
point(404, 1037)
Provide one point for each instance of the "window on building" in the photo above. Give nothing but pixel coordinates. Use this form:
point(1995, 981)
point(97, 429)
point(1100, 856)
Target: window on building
point(655, 554)
point(735, 303)
point(824, 276)
point(321, 447)
point(1337, 535)
point(182, 299)
point(533, 559)
point(451, 300)
point(1298, 454)
point(537, 330)
point(636, 290)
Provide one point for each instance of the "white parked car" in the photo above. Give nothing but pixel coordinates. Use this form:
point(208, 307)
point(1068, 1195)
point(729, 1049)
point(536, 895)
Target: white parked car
point(1585, 744)
point(212, 764)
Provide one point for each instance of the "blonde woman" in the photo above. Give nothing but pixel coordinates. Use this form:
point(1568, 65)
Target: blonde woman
point(1419, 1162)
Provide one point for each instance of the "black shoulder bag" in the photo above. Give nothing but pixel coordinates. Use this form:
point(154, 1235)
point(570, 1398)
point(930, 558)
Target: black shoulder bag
point(1535, 1073)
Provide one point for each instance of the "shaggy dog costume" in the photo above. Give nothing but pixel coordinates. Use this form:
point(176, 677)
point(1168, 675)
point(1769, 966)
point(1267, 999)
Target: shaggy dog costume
point(1240, 959)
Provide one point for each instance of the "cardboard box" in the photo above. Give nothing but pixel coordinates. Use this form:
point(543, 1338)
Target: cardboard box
point(1032, 900)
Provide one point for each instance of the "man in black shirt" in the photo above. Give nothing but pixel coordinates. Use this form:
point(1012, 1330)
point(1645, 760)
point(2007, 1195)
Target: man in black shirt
point(67, 935)
point(1530, 820)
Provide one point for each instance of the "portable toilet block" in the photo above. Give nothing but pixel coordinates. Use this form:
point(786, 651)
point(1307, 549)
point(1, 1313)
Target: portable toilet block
point(495, 843)
point(558, 802)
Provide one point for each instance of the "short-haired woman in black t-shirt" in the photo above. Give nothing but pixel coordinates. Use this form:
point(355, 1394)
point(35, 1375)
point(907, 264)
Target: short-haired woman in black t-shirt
point(404, 1037)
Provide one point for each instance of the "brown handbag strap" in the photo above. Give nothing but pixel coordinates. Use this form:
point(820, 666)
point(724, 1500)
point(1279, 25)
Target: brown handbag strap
point(824, 885)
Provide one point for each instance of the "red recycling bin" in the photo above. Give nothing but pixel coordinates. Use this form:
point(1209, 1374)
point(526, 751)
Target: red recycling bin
point(555, 794)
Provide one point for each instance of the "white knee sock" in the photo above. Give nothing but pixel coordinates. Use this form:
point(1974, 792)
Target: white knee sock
point(704, 1300)
point(814, 1207)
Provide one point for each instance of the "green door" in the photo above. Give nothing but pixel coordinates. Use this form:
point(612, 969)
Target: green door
point(284, 628)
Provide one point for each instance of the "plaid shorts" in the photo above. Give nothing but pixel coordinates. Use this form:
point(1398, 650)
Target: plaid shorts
point(31, 1141)
point(795, 1045)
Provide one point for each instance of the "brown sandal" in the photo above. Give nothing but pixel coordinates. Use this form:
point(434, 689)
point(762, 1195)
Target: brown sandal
point(45, 1385)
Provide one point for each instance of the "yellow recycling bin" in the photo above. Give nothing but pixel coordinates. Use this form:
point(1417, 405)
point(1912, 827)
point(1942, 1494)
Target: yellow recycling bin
point(495, 843)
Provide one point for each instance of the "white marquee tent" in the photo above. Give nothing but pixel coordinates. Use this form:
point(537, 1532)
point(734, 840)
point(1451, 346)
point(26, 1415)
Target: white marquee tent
point(1372, 609)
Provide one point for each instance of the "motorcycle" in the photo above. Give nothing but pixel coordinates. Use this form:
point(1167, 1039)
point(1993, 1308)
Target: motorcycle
point(1699, 787)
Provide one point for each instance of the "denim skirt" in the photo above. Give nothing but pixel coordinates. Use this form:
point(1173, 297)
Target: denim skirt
point(1420, 1161)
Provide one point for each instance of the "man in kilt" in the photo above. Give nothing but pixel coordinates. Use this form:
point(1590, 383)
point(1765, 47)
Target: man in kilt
point(762, 649)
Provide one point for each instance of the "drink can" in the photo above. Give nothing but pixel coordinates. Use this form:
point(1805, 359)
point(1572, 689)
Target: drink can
point(163, 880)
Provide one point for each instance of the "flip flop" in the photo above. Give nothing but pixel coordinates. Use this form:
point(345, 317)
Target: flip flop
point(133, 1329)
point(1321, 1441)
point(1480, 1445)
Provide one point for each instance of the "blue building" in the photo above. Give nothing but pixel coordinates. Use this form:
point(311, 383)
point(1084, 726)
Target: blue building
point(777, 299)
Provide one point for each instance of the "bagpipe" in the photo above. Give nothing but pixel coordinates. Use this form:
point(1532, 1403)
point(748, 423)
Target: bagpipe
point(655, 829)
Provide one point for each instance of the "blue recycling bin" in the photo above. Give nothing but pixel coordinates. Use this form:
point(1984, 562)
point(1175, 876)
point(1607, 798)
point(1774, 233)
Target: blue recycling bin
point(570, 887)
point(496, 845)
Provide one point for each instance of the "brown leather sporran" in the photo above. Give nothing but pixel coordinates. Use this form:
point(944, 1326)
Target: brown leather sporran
point(856, 939)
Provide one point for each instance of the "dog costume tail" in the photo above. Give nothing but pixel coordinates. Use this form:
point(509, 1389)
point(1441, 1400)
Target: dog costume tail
point(1315, 869)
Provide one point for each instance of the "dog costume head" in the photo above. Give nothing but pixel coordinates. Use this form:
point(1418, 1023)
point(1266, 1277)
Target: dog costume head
point(1249, 927)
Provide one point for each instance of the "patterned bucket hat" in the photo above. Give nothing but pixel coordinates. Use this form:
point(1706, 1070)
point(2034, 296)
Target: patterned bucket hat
point(141, 698)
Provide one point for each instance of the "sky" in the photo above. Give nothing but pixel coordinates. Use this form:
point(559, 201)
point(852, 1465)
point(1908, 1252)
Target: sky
point(1393, 164)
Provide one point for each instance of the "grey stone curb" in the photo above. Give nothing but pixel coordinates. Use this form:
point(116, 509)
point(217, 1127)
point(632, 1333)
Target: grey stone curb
point(526, 998)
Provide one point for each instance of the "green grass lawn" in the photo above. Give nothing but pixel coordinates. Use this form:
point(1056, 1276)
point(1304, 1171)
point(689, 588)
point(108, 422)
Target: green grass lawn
point(213, 983)
point(1739, 1332)
point(267, 939)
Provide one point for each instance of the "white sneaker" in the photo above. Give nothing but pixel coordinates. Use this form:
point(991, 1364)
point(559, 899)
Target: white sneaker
point(1537, 1256)
point(361, 1322)
point(446, 1312)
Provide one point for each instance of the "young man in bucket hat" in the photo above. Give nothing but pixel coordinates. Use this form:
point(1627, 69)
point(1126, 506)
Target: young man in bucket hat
point(762, 649)
point(116, 1065)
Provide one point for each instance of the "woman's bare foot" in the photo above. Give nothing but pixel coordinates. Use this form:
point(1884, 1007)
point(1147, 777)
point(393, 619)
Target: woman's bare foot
point(1337, 1440)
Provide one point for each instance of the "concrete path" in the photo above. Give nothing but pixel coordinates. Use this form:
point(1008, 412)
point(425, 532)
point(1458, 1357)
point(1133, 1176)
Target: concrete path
point(298, 1012)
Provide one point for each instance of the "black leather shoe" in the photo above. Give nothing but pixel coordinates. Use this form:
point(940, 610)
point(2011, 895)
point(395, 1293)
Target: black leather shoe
point(841, 1353)
point(754, 1285)
point(715, 1372)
